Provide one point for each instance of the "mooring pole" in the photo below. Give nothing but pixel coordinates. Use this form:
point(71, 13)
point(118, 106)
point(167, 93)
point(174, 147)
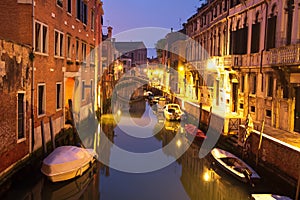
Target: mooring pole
point(51, 132)
point(43, 137)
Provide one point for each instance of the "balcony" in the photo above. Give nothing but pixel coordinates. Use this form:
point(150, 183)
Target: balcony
point(288, 55)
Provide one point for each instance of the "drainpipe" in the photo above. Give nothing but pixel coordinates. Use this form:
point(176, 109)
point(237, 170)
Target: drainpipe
point(32, 81)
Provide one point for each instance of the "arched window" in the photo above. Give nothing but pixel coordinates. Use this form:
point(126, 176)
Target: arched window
point(289, 11)
point(255, 35)
point(271, 31)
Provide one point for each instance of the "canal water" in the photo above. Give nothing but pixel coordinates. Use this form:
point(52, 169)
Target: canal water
point(188, 177)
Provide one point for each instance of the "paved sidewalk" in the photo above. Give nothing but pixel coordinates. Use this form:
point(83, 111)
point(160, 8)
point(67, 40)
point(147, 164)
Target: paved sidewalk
point(284, 136)
point(292, 139)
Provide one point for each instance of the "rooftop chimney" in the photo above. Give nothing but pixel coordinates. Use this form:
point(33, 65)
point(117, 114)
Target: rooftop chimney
point(109, 32)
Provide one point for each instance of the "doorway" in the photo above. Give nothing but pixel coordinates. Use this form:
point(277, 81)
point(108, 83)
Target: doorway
point(297, 110)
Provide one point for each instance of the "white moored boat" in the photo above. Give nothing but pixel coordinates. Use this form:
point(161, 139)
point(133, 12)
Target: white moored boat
point(234, 165)
point(67, 162)
point(269, 197)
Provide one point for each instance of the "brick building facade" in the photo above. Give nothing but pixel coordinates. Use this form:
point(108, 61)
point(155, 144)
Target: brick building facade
point(63, 36)
point(15, 95)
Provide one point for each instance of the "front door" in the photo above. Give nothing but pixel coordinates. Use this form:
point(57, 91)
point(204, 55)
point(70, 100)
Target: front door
point(234, 97)
point(297, 111)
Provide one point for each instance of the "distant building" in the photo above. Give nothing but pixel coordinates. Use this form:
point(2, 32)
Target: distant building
point(136, 51)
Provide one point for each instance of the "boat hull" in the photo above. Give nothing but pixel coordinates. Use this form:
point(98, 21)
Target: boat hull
point(193, 131)
point(71, 174)
point(268, 197)
point(67, 162)
point(234, 166)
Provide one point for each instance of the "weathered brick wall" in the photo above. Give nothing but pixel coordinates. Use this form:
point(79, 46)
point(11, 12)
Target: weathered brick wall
point(279, 156)
point(14, 77)
point(16, 21)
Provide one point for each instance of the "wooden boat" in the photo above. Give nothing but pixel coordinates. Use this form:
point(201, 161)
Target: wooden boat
point(269, 197)
point(172, 111)
point(234, 166)
point(67, 162)
point(194, 131)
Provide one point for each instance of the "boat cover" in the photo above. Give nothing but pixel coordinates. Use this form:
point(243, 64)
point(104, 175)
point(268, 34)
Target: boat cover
point(269, 197)
point(66, 158)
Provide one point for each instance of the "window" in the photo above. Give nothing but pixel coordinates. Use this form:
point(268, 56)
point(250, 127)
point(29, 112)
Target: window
point(68, 46)
point(252, 108)
point(41, 99)
point(58, 96)
point(41, 38)
point(81, 11)
point(83, 52)
point(92, 55)
point(253, 84)
point(83, 91)
point(69, 9)
point(58, 43)
point(77, 49)
point(84, 14)
point(78, 9)
point(270, 86)
point(289, 20)
point(268, 113)
point(21, 116)
point(255, 36)
point(92, 20)
point(271, 32)
point(59, 3)
point(242, 83)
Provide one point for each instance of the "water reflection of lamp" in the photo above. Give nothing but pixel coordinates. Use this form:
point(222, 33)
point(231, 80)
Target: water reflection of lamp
point(119, 112)
point(178, 143)
point(206, 176)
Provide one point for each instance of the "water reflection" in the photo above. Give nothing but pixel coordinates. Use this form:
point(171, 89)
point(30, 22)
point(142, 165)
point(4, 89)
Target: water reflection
point(189, 177)
point(83, 187)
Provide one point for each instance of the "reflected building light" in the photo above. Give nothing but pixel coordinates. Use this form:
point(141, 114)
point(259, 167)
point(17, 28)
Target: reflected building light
point(206, 176)
point(181, 68)
point(178, 143)
point(119, 112)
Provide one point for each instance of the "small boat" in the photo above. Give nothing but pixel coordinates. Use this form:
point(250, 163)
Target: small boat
point(269, 197)
point(194, 131)
point(67, 162)
point(234, 165)
point(172, 111)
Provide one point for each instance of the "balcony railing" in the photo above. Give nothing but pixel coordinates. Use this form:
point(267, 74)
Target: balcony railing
point(285, 55)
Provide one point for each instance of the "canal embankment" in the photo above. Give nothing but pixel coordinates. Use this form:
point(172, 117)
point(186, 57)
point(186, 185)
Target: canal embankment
point(272, 150)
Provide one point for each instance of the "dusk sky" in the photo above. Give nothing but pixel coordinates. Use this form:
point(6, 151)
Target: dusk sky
point(123, 15)
point(131, 14)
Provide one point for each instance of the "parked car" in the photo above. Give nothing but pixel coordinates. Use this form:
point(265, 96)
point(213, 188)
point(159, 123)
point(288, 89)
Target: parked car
point(172, 111)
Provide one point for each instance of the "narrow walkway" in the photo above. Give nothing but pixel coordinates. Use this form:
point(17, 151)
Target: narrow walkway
point(282, 135)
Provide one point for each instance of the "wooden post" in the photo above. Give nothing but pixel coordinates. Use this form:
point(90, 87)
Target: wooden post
point(298, 187)
point(43, 138)
point(200, 116)
point(260, 141)
point(51, 133)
